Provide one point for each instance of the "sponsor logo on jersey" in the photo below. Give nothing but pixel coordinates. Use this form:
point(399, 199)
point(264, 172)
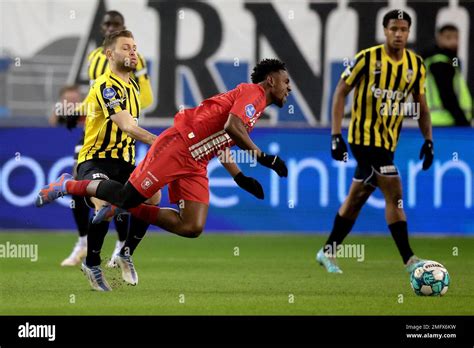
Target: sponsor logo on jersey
point(146, 184)
point(113, 103)
point(99, 176)
point(109, 93)
point(388, 93)
point(250, 110)
point(391, 169)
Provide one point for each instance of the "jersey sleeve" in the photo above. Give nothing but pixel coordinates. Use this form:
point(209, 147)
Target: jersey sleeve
point(141, 76)
point(247, 103)
point(419, 87)
point(111, 98)
point(355, 70)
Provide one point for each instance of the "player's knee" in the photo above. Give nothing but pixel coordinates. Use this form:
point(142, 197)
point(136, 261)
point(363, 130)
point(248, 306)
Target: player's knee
point(155, 199)
point(359, 200)
point(193, 230)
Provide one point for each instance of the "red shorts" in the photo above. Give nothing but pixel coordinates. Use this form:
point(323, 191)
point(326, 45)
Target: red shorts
point(169, 162)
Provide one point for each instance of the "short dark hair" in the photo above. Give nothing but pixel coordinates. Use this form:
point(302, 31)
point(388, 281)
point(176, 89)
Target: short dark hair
point(396, 14)
point(447, 27)
point(265, 67)
point(112, 38)
point(114, 13)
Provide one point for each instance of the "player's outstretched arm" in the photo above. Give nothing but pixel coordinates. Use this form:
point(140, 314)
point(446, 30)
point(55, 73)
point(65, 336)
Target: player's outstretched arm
point(338, 146)
point(236, 130)
point(424, 122)
point(127, 124)
point(249, 184)
point(342, 90)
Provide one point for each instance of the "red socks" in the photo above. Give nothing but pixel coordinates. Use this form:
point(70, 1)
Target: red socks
point(147, 213)
point(77, 187)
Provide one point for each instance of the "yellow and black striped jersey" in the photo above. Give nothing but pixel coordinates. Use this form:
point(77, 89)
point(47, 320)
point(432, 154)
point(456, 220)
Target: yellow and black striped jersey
point(98, 65)
point(108, 96)
point(382, 87)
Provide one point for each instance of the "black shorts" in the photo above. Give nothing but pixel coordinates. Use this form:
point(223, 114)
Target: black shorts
point(372, 160)
point(97, 169)
point(78, 147)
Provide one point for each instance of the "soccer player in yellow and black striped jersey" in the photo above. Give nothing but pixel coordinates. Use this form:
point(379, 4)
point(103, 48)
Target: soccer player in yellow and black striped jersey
point(113, 109)
point(98, 65)
point(384, 77)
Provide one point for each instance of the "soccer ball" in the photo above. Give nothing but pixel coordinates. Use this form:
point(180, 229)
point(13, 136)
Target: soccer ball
point(429, 278)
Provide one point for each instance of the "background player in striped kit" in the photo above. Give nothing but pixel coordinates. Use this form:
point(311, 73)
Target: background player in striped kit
point(383, 77)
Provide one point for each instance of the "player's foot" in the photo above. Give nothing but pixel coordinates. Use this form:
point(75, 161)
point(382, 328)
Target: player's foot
point(129, 274)
point(96, 277)
point(53, 191)
point(328, 262)
point(78, 253)
point(113, 262)
point(107, 212)
point(412, 262)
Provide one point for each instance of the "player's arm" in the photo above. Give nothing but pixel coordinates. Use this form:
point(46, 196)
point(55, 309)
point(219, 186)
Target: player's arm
point(128, 125)
point(424, 122)
point(338, 146)
point(339, 101)
point(113, 106)
point(227, 161)
point(237, 132)
point(146, 92)
point(247, 183)
point(424, 119)
point(349, 78)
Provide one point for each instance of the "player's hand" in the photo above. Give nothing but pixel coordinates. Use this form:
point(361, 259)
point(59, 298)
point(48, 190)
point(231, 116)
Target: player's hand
point(427, 151)
point(338, 148)
point(250, 185)
point(273, 162)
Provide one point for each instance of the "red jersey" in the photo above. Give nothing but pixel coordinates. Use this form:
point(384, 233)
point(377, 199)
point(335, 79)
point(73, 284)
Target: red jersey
point(202, 127)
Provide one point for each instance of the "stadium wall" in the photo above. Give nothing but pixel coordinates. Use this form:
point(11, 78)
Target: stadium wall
point(436, 201)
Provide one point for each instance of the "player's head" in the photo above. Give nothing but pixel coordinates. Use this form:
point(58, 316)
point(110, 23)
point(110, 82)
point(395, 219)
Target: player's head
point(112, 21)
point(121, 50)
point(396, 27)
point(272, 75)
point(447, 37)
point(70, 93)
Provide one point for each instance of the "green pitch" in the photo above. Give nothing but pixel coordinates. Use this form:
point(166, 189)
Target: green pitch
point(235, 274)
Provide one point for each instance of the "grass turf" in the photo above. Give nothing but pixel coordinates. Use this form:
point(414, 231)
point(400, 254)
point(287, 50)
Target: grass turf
point(269, 272)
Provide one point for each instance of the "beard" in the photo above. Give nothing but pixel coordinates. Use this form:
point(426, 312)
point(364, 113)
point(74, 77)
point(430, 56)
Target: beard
point(127, 65)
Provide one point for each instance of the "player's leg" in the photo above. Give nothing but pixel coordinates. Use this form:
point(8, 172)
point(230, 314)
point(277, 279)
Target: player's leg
point(130, 230)
point(391, 187)
point(188, 222)
point(345, 218)
point(361, 188)
point(97, 170)
point(138, 228)
point(81, 215)
point(347, 214)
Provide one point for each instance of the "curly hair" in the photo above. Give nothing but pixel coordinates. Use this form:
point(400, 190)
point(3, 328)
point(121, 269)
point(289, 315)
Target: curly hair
point(265, 67)
point(396, 14)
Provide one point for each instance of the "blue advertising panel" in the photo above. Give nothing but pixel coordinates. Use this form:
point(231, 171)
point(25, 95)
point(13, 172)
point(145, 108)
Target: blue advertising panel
point(436, 201)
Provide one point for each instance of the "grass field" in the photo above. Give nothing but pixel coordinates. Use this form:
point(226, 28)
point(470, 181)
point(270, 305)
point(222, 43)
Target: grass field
point(270, 272)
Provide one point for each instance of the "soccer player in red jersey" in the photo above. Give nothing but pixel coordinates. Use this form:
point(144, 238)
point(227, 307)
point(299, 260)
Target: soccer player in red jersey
point(179, 157)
